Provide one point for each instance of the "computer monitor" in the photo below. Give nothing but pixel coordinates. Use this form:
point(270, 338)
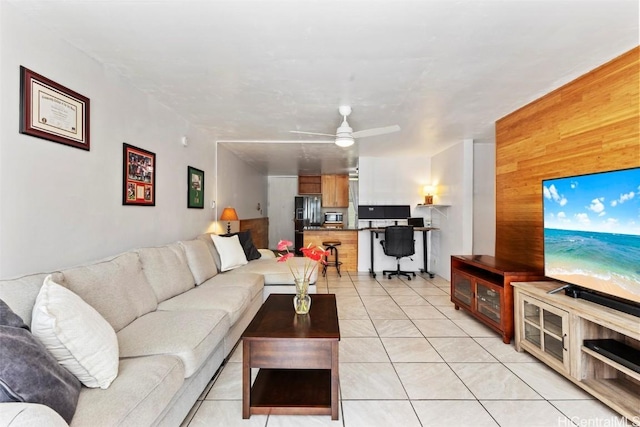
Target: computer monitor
point(416, 222)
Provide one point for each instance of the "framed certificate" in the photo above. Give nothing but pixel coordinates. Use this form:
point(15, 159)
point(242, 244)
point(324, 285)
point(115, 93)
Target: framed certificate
point(51, 111)
point(138, 176)
point(195, 188)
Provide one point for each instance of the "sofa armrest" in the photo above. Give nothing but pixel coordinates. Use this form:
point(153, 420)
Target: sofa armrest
point(14, 414)
point(266, 253)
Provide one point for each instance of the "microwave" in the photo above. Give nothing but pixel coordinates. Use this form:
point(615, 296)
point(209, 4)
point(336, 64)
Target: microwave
point(333, 217)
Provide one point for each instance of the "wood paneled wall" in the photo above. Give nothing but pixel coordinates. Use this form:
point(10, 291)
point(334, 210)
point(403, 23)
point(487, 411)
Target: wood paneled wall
point(259, 231)
point(588, 125)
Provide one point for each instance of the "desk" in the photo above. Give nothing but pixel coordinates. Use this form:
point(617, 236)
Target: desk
point(424, 230)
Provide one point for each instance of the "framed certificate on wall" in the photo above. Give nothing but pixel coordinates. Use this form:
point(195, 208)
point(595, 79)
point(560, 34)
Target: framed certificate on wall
point(51, 111)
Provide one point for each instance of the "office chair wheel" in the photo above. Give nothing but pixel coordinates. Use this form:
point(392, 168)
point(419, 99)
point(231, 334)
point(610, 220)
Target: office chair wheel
point(409, 278)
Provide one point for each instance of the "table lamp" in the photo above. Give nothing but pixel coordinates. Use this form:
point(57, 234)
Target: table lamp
point(428, 197)
point(229, 214)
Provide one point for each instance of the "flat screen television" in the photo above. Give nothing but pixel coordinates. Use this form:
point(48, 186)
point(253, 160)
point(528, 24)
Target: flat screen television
point(592, 233)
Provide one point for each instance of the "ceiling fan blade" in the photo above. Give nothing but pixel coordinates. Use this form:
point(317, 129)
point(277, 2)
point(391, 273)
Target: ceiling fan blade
point(376, 131)
point(311, 133)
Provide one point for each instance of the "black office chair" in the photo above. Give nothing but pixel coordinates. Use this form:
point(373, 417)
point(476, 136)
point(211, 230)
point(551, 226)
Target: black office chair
point(399, 243)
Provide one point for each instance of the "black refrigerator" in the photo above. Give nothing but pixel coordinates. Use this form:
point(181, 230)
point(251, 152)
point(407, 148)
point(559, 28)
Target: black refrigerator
point(308, 213)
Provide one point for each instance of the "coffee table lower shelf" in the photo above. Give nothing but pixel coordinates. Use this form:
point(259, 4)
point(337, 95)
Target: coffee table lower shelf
point(291, 392)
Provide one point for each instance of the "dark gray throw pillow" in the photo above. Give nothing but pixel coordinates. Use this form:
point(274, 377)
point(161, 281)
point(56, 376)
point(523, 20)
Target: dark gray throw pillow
point(29, 373)
point(250, 250)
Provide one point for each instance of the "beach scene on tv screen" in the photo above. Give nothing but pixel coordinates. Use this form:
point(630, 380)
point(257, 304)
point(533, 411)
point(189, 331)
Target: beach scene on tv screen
point(592, 231)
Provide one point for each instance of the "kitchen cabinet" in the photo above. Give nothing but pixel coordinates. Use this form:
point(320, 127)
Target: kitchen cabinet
point(335, 191)
point(349, 244)
point(309, 184)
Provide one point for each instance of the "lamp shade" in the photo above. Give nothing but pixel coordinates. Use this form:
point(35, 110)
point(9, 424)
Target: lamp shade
point(229, 214)
point(428, 191)
point(344, 141)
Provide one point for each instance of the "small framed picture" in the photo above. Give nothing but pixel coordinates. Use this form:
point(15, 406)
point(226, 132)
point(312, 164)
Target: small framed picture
point(51, 111)
point(138, 176)
point(195, 188)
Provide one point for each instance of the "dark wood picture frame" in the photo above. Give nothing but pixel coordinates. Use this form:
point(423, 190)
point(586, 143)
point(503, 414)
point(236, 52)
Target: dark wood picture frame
point(138, 176)
point(51, 111)
point(195, 188)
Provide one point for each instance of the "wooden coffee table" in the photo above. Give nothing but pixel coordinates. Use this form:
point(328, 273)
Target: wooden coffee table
point(297, 356)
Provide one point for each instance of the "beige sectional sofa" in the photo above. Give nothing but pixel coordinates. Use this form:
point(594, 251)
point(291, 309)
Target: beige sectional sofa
point(176, 318)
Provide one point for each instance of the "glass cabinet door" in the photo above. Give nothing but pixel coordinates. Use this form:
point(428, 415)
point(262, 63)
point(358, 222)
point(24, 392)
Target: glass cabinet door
point(553, 334)
point(532, 323)
point(462, 288)
point(545, 327)
point(488, 303)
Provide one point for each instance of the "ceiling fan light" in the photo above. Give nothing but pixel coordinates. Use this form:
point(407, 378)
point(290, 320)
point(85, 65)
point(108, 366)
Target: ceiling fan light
point(344, 141)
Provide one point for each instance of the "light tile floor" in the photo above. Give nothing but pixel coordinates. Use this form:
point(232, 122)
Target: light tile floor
point(408, 358)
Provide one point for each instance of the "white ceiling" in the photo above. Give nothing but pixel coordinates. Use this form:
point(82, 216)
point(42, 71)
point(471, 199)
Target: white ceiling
point(251, 71)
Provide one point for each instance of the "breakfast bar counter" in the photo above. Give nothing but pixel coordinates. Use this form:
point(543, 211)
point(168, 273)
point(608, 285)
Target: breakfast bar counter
point(348, 238)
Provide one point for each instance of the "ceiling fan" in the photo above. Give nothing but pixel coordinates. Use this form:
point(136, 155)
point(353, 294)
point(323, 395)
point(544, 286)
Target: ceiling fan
point(345, 136)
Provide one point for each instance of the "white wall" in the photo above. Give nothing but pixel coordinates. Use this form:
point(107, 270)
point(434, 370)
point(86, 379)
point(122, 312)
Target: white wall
point(391, 181)
point(61, 206)
point(484, 199)
point(240, 186)
point(452, 172)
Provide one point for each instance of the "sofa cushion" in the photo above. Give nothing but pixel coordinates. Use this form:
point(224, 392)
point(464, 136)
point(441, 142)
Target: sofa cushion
point(200, 260)
point(233, 300)
point(206, 238)
point(143, 389)
point(167, 270)
point(20, 294)
point(76, 335)
point(252, 282)
point(246, 241)
point(116, 288)
point(29, 415)
point(230, 251)
point(189, 335)
point(266, 253)
point(29, 373)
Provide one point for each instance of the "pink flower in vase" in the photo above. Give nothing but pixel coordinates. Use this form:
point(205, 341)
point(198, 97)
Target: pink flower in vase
point(313, 255)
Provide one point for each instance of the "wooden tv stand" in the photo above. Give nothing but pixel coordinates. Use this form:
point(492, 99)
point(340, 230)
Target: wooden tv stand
point(553, 329)
point(481, 284)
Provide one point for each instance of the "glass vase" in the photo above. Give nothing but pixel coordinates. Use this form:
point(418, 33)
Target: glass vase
point(302, 300)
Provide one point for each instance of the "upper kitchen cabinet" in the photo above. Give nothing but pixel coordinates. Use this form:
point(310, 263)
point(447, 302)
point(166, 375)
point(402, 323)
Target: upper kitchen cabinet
point(309, 184)
point(335, 191)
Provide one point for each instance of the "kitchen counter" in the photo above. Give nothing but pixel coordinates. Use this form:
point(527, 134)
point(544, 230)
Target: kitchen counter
point(348, 250)
point(314, 228)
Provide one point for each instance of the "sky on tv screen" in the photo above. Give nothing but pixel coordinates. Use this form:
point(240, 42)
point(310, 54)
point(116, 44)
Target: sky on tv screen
point(606, 202)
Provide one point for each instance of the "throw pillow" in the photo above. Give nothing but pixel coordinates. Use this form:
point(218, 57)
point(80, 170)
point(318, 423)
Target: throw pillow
point(231, 252)
point(29, 373)
point(200, 261)
point(74, 332)
point(249, 248)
